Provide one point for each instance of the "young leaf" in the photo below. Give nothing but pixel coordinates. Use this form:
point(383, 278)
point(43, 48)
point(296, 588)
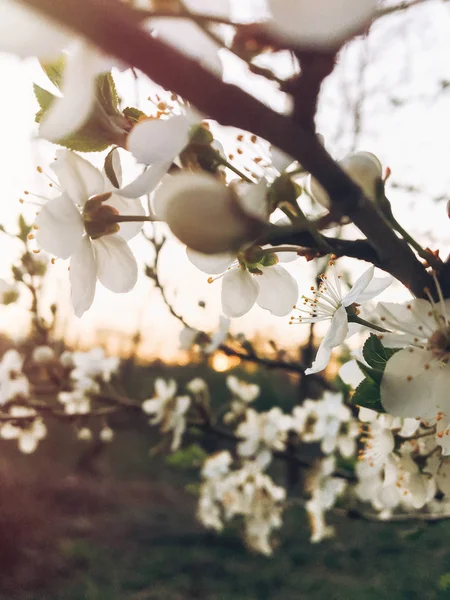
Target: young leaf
point(109, 169)
point(367, 394)
point(133, 114)
point(370, 373)
point(375, 354)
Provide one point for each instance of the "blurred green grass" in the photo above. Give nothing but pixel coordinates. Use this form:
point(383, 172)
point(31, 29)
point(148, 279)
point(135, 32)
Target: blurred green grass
point(129, 532)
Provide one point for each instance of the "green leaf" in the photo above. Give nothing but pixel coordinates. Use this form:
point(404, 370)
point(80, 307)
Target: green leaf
point(107, 93)
point(187, 458)
point(133, 114)
point(55, 70)
point(367, 394)
point(373, 374)
point(109, 169)
point(100, 130)
point(375, 354)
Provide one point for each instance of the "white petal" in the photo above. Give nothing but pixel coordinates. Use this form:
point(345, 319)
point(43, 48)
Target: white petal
point(60, 227)
point(278, 290)
point(409, 389)
point(210, 263)
point(116, 167)
point(156, 140)
point(127, 206)
point(239, 292)
point(69, 113)
point(189, 39)
point(116, 265)
point(322, 359)
point(338, 330)
point(414, 317)
point(323, 23)
point(83, 277)
point(27, 32)
point(336, 334)
point(287, 257)
point(146, 182)
point(359, 287)
point(78, 178)
point(375, 287)
point(351, 374)
point(254, 201)
point(218, 8)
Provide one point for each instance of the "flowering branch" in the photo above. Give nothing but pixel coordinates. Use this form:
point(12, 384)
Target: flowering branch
point(112, 26)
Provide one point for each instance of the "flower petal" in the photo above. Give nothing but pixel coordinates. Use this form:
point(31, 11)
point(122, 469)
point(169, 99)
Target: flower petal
point(415, 385)
point(27, 32)
point(351, 374)
point(127, 206)
point(322, 359)
point(210, 263)
point(60, 227)
point(336, 334)
point(190, 40)
point(155, 141)
point(278, 290)
point(239, 292)
point(116, 265)
point(359, 287)
point(69, 113)
point(414, 317)
point(375, 287)
point(79, 179)
point(83, 277)
point(146, 182)
point(323, 23)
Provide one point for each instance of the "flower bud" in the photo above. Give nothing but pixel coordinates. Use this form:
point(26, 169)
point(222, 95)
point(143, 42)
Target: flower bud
point(363, 167)
point(205, 214)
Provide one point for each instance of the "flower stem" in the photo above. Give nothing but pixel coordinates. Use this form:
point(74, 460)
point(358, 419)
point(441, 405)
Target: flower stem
point(128, 218)
point(356, 319)
point(223, 161)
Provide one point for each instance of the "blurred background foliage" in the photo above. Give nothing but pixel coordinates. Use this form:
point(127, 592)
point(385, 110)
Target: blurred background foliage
point(89, 521)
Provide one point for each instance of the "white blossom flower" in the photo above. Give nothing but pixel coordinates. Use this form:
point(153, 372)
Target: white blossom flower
point(71, 226)
point(188, 37)
point(207, 215)
point(106, 434)
point(76, 402)
point(325, 489)
point(271, 287)
point(84, 434)
point(246, 492)
point(262, 433)
point(168, 410)
point(329, 303)
point(363, 167)
point(13, 382)
point(416, 379)
point(156, 143)
point(243, 394)
point(93, 365)
point(188, 337)
point(219, 336)
point(326, 420)
point(320, 24)
point(43, 354)
point(26, 32)
point(28, 434)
